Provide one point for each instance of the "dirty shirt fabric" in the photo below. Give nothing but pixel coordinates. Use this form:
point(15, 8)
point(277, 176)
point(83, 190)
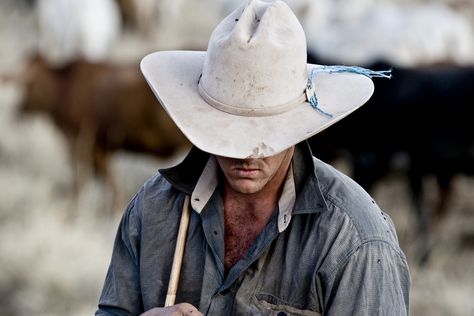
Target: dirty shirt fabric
point(337, 253)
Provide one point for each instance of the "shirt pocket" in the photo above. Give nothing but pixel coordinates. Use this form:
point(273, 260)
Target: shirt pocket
point(271, 305)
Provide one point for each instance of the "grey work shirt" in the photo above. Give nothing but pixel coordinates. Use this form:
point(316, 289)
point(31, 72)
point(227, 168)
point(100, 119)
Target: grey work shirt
point(337, 254)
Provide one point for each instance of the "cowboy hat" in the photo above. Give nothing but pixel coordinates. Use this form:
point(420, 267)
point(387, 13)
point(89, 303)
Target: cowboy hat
point(252, 93)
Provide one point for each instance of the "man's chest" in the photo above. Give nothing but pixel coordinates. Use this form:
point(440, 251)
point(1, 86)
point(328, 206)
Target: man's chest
point(242, 225)
point(243, 222)
point(238, 237)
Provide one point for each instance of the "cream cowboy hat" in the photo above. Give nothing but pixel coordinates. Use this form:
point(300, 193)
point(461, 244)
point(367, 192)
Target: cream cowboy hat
point(249, 95)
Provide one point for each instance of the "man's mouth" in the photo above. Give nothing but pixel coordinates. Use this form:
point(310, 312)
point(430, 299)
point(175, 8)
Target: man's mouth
point(246, 172)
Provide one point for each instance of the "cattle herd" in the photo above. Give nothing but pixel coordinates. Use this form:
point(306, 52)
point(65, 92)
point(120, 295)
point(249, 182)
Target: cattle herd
point(421, 114)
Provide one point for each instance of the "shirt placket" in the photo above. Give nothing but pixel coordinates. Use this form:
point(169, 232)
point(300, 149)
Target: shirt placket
point(213, 278)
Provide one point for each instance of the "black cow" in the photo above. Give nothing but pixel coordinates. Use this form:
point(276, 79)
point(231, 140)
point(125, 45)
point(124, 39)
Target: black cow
point(422, 113)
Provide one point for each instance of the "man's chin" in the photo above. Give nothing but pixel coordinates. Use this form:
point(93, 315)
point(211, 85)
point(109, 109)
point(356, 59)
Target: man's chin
point(246, 186)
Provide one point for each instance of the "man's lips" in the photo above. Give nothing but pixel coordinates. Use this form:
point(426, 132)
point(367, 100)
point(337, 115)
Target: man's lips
point(245, 172)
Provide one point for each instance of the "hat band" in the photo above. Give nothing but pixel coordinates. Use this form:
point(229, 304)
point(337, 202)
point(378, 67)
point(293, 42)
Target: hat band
point(268, 111)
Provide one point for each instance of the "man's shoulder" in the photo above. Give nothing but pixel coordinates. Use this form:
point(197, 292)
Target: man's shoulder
point(156, 196)
point(349, 201)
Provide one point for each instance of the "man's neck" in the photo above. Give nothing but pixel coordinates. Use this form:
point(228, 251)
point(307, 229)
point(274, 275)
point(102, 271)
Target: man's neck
point(258, 206)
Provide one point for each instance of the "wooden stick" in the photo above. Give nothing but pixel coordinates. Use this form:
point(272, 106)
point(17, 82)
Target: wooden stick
point(178, 254)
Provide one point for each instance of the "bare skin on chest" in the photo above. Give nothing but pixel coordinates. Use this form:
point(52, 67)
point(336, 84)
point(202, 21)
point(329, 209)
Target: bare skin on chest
point(243, 223)
point(252, 188)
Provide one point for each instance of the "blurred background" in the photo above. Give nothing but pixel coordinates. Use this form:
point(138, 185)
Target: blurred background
point(80, 132)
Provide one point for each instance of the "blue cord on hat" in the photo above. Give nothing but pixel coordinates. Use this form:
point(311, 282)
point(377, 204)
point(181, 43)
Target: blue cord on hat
point(310, 89)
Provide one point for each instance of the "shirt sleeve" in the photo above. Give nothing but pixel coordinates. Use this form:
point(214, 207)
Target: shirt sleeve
point(374, 280)
point(121, 293)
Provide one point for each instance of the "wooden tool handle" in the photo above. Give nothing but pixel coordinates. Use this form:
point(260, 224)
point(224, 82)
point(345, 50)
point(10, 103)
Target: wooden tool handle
point(178, 253)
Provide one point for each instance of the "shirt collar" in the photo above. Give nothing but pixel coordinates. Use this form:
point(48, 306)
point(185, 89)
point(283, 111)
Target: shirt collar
point(185, 175)
point(309, 198)
point(287, 201)
point(205, 186)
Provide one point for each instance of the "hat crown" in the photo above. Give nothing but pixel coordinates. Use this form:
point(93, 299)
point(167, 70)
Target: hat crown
point(256, 60)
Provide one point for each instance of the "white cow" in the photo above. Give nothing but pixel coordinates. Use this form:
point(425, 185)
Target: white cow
point(69, 29)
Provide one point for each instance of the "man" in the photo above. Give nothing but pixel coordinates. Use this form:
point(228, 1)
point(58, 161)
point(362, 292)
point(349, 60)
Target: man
point(273, 231)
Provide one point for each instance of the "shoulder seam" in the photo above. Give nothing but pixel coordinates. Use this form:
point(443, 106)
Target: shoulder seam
point(360, 245)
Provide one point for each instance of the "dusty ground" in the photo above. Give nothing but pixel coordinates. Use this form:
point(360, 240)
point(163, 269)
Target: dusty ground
point(54, 250)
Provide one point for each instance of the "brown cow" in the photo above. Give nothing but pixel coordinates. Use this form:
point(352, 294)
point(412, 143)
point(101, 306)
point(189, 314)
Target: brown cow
point(100, 108)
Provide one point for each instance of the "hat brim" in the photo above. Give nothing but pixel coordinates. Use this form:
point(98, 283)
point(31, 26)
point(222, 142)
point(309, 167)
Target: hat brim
point(173, 76)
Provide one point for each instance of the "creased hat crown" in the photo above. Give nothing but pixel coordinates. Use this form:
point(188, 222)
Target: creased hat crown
point(256, 60)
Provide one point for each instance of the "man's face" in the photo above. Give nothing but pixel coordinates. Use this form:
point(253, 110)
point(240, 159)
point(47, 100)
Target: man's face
point(249, 176)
